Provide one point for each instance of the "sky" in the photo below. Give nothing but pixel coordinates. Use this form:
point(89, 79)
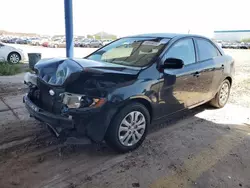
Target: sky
point(126, 17)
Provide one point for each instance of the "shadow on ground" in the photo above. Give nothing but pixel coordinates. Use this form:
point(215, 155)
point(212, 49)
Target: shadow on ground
point(184, 151)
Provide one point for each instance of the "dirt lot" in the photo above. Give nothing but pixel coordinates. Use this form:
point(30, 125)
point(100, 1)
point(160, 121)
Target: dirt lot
point(202, 148)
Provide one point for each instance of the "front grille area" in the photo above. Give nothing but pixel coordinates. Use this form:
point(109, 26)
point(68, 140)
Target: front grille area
point(46, 101)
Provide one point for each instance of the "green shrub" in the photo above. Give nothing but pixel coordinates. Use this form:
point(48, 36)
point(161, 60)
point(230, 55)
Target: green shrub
point(9, 69)
point(245, 40)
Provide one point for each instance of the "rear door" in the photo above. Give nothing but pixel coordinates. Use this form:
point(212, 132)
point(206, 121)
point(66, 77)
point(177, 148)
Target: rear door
point(3, 52)
point(211, 62)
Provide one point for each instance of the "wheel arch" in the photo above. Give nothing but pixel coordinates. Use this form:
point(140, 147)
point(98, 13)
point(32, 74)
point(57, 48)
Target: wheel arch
point(229, 79)
point(142, 100)
point(12, 52)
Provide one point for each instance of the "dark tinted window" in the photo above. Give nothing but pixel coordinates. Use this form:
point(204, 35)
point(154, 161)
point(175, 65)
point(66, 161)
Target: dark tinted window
point(206, 50)
point(184, 50)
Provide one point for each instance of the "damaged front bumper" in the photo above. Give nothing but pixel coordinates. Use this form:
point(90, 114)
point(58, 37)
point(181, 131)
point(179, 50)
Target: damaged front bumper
point(77, 123)
point(50, 119)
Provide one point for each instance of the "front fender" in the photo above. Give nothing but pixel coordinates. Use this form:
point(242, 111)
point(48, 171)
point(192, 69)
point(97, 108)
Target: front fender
point(145, 91)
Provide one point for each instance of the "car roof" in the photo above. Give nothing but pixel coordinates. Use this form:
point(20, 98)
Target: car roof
point(166, 35)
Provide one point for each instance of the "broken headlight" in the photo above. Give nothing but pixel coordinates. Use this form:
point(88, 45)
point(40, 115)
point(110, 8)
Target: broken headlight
point(81, 101)
point(30, 79)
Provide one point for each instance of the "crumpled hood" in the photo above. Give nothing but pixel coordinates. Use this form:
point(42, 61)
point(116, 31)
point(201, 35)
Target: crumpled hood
point(59, 71)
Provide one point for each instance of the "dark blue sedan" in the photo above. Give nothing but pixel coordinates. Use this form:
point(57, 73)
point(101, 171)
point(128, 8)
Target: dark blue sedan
point(115, 93)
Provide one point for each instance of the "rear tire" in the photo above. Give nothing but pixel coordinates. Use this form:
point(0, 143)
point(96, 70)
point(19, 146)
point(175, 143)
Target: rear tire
point(221, 97)
point(127, 137)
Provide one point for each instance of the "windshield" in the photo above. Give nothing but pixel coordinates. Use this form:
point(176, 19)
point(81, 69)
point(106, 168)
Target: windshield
point(132, 51)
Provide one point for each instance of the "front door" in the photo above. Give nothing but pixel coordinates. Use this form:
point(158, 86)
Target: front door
point(178, 88)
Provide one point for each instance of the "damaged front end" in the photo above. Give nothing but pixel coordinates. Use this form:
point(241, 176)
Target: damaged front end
point(72, 96)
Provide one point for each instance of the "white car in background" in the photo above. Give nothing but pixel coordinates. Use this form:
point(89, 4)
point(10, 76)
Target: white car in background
point(219, 44)
point(11, 54)
point(106, 41)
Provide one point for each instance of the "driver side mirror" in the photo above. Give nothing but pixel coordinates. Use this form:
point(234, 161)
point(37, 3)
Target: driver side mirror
point(173, 63)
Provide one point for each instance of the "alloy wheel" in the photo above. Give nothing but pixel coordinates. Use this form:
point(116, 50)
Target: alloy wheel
point(14, 58)
point(224, 93)
point(132, 128)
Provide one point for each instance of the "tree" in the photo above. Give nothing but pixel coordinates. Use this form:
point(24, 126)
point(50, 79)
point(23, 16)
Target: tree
point(90, 36)
point(97, 37)
point(245, 40)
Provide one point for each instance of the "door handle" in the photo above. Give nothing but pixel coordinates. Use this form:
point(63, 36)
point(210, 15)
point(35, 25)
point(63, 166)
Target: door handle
point(222, 67)
point(197, 74)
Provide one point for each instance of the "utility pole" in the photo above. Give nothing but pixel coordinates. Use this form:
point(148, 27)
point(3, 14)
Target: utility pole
point(68, 11)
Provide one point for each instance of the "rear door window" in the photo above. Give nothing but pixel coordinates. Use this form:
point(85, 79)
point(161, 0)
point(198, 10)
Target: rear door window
point(206, 50)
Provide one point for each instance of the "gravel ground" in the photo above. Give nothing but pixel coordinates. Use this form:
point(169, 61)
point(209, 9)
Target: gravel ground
point(240, 93)
point(201, 148)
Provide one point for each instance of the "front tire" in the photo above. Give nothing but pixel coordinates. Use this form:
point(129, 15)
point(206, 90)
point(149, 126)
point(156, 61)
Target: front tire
point(14, 57)
point(129, 128)
point(221, 97)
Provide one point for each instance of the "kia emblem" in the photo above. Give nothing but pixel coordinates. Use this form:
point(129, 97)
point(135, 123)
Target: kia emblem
point(51, 92)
